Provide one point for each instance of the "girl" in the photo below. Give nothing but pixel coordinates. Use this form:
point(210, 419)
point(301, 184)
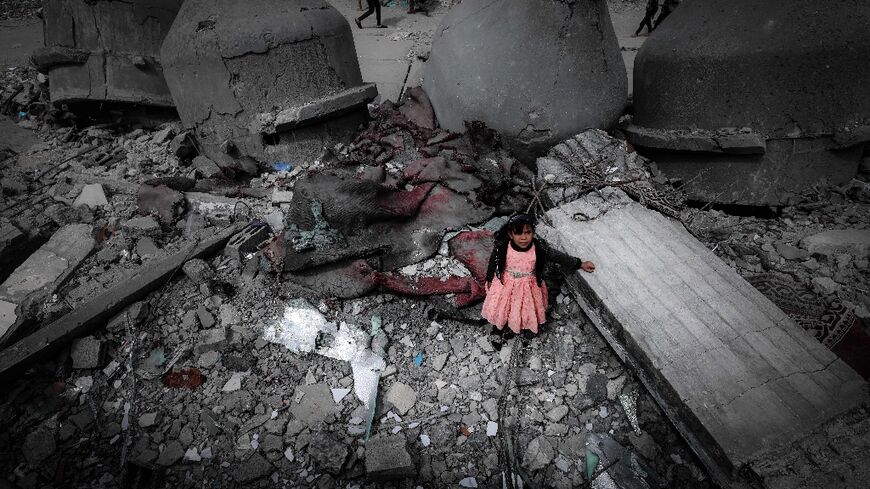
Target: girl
point(516, 295)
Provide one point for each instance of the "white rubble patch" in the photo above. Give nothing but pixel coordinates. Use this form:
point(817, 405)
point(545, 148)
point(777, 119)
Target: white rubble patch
point(302, 325)
point(439, 266)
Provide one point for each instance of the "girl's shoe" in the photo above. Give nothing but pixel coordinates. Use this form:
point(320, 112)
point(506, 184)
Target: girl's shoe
point(497, 343)
point(528, 335)
point(495, 331)
point(508, 334)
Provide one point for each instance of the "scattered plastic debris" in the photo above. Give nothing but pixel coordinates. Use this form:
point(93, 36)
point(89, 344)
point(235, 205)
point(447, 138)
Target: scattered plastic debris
point(418, 360)
point(491, 428)
point(304, 329)
point(282, 166)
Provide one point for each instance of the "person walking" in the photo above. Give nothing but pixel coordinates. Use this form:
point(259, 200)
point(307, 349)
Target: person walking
point(374, 7)
point(652, 6)
point(666, 10)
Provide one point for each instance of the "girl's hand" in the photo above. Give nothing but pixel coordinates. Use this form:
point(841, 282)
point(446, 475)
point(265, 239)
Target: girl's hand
point(587, 266)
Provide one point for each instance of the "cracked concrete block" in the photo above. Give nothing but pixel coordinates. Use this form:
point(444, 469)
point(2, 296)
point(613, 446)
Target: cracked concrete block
point(86, 352)
point(467, 77)
point(402, 397)
point(387, 458)
point(106, 51)
point(787, 135)
point(227, 67)
point(92, 196)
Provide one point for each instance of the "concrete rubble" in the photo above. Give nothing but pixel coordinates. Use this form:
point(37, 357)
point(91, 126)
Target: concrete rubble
point(282, 287)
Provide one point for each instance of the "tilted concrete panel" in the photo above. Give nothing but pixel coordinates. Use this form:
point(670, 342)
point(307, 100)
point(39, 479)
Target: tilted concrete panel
point(537, 71)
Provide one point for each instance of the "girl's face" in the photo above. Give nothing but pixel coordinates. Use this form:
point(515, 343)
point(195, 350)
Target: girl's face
point(524, 237)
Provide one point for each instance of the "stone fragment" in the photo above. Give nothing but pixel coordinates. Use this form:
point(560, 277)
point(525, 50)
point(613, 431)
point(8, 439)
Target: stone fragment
point(282, 196)
point(402, 397)
point(213, 339)
point(825, 285)
point(313, 404)
point(539, 454)
point(92, 196)
point(146, 247)
point(468, 482)
point(328, 453)
point(491, 428)
point(854, 241)
point(254, 468)
point(39, 444)
point(596, 387)
point(192, 455)
point(164, 135)
point(165, 203)
point(790, 252)
point(206, 167)
point(557, 413)
point(208, 359)
point(171, 454)
point(197, 270)
point(182, 146)
point(86, 352)
point(484, 344)
point(387, 458)
point(142, 226)
point(235, 382)
point(439, 361)
point(147, 420)
point(206, 320)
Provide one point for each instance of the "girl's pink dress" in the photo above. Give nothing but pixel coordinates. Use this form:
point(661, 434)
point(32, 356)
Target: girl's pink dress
point(516, 300)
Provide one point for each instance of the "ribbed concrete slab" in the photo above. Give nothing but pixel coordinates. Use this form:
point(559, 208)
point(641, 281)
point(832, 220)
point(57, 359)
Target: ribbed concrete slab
point(736, 375)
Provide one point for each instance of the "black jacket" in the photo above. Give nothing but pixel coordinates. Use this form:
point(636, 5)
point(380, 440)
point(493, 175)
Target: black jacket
point(544, 255)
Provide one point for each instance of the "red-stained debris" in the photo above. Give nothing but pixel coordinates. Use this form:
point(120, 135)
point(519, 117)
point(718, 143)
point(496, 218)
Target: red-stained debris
point(190, 378)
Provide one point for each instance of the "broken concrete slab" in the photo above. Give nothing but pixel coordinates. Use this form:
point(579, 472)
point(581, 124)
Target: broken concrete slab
point(387, 458)
point(206, 167)
point(313, 404)
point(254, 468)
point(162, 201)
point(831, 242)
point(92, 196)
point(107, 304)
point(715, 353)
point(87, 352)
point(43, 271)
point(402, 397)
point(142, 226)
point(213, 339)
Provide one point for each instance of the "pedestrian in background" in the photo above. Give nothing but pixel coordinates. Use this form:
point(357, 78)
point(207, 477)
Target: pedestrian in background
point(374, 7)
point(652, 6)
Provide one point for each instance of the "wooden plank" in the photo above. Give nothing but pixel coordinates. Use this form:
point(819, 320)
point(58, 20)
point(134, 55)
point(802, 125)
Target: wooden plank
point(106, 305)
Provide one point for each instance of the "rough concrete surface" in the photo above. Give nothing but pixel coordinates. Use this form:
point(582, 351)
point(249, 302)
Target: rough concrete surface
point(226, 65)
point(783, 80)
point(118, 43)
point(537, 71)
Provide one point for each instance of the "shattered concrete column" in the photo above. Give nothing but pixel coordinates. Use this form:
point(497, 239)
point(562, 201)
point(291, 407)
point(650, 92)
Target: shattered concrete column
point(756, 121)
point(274, 87)
point(106, 50)
point(536, 71)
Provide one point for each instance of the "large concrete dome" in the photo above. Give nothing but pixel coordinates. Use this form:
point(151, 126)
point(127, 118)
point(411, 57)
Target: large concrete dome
point(106, 51)
point(538, 71)
point(785, 81)
point(261, 78)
